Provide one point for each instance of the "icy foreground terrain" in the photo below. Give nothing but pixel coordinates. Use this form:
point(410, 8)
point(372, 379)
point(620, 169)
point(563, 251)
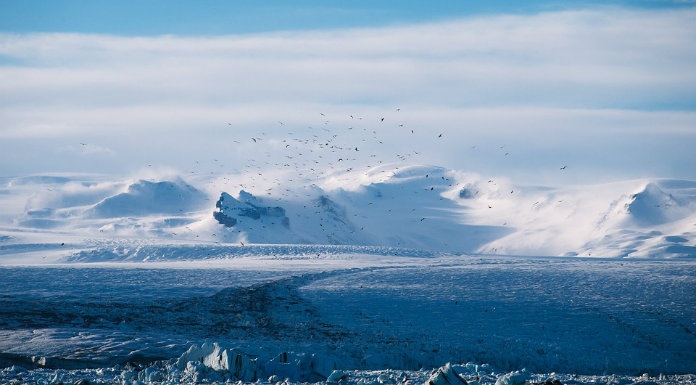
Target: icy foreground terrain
point(301, 319)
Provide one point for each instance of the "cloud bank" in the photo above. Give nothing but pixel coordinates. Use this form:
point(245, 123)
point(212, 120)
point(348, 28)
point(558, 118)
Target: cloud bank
point(614, 82)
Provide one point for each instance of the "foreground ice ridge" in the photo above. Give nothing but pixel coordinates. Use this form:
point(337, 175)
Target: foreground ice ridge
point(210, 363)
point(446, 376)
point(140, 251)
point(210, 359)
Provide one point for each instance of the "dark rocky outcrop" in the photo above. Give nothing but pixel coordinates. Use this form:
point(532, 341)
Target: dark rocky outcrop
point(229, 209)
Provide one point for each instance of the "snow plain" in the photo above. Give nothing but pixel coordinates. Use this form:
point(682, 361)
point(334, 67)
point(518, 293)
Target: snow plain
point(382, 276)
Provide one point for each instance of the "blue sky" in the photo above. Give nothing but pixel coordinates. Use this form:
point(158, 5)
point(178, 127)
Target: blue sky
point(608, 88)
point(213, 17)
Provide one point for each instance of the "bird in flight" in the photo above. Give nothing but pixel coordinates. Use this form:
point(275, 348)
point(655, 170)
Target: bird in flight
point(564, 167)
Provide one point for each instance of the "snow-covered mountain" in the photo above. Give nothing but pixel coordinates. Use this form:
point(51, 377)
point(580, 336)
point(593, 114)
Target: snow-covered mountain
point(635, 218)
point(399, 206)
point(147, 198)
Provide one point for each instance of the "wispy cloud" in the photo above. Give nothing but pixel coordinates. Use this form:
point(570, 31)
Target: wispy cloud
point(551, 75)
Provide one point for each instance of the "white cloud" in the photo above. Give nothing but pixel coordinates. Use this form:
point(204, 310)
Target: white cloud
point(561, 59)
point(562, 78)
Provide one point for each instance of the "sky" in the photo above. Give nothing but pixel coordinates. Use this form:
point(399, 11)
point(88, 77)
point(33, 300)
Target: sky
point(509, 88)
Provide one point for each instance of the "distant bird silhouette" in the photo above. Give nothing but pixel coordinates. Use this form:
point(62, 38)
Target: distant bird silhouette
point(564, 167)
point(439, 136)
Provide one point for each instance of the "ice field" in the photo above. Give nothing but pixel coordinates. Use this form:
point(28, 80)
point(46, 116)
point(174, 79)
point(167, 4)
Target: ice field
point(356, 313)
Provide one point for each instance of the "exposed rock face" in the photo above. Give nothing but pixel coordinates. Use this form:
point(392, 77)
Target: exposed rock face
point(230, 209)
point(224, 219)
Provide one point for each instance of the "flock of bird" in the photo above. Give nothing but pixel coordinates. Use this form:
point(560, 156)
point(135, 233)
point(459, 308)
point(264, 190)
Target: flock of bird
point(327, 150)
point(277, 163)
point(318, 152)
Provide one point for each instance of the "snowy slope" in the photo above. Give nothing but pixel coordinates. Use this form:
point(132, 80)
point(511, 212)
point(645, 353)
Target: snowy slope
point(146, 198)
point(398, 206)
point(438, 209)
point(625, 219)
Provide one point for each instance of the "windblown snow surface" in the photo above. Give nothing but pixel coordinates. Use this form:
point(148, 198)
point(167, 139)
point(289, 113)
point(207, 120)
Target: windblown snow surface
point(362, 277)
